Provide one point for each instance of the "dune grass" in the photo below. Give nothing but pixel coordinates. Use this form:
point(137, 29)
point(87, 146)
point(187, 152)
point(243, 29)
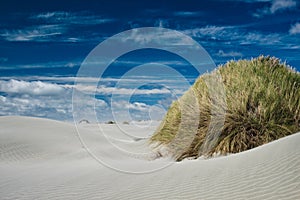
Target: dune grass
point(262, 104)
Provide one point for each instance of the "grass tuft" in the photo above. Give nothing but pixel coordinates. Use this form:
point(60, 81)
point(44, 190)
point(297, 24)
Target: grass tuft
point(261, 104)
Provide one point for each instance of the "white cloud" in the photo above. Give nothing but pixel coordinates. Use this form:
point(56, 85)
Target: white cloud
point(59, 28)
point(79, 18)
point(44, 99)
point(239, 35)
point(168, 38)
point(40, 33)
point(212, 31)
point(262, 39)
point(71, 64)
point(115, 90)
point(234, 34)
point(124, 105)
point(42, 65)
point(38, 106)
point(229, 54)
point(186, 14)
point(295, 29)
point(30, 88)
point(47, 15)
point(132, 111)
point(276, 6)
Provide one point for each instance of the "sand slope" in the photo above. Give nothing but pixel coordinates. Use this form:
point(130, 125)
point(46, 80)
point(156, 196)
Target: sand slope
point(44, 159)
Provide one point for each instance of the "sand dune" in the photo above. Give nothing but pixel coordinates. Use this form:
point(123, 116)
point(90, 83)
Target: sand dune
point(44, 159)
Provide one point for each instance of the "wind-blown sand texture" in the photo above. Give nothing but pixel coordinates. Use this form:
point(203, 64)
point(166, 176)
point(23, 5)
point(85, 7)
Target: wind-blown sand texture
point(44, 159)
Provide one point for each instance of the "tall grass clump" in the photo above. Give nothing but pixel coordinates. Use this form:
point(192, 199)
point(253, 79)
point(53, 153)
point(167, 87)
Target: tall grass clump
point(262, 104)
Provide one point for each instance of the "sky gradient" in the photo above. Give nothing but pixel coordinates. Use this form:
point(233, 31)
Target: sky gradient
point(43, 43)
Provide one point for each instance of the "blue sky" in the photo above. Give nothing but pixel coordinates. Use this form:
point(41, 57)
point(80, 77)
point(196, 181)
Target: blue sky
point(43, 43)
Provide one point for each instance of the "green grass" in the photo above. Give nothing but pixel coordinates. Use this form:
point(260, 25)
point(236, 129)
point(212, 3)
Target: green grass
point(261, 104)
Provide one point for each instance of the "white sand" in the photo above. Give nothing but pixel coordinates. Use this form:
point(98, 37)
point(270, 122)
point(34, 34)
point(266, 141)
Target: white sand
point(44, 159)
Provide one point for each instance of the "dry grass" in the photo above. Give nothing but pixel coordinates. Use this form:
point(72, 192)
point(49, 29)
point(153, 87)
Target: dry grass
point(261, 103)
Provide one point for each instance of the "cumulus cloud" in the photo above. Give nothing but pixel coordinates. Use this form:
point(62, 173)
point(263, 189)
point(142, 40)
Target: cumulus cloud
point(124, 105)
point(276, 6)
point(41, 99)
point(30, 88)
point(50, 100)
point(58, 107)
point(295, 29)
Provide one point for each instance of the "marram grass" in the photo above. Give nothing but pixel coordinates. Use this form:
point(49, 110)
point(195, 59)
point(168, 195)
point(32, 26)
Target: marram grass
point(261, 104)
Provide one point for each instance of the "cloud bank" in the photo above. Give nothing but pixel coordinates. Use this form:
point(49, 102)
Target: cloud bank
point(52, 100)
point(30, 88)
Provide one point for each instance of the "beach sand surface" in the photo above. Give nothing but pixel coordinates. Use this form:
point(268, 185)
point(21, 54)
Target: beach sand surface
point(47, 159)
